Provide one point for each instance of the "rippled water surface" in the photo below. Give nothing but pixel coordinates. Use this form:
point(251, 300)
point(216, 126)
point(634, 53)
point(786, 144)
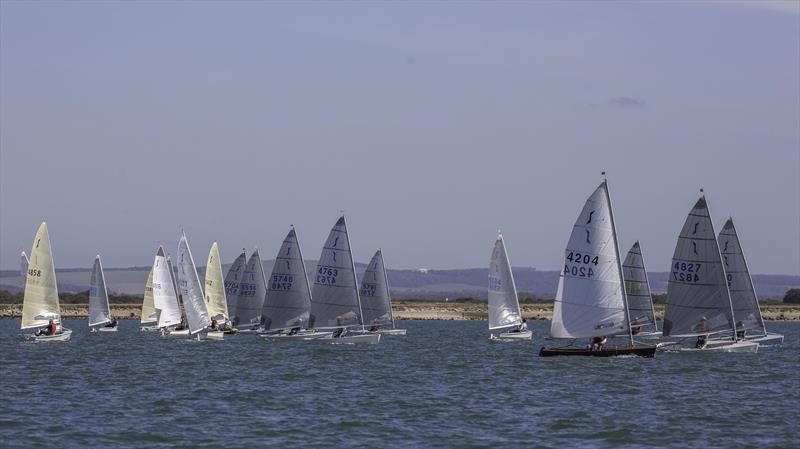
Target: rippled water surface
point(444, 385)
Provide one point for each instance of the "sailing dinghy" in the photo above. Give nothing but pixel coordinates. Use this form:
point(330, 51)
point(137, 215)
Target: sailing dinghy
point(165, 299)
point(335, 302)
point(216, 302)
point(504, 310)
point(149, 317)
point(197, 315)
point(99, 311)
point(252, 291)
point(232, 279)
point(698, 301)
point(40, 306)
point(590, 301)
point(637, 290)
point(746, 312)
point(23, 264)
point(376, 301)
point(182, 329)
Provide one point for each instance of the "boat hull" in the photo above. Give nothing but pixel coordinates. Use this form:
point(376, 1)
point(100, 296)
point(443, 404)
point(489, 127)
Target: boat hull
point(739, 346)
point(359, 339)
point(105, 329)
point(609, 351)
point(64, 335)
point(524, 335)
point(213, 335)
point(149, 329)
point(392, 331)
point(300, 336)
point(178, 333)
point(770, 339)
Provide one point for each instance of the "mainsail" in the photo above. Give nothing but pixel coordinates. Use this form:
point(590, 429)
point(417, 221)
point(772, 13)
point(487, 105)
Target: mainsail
point(637, 289)
point(191, 290)
point(590, 300)
point(503, 302)
point(149, 315)
point(99, 311)
point(740, 284)
point(215, 286)
point(698, 301)
point(376, 302)
point(23, 264)
point(288, 294)
point(334, 297)
point(232, 280)
point(40, 301)
point(252, 290)
point(164, 299)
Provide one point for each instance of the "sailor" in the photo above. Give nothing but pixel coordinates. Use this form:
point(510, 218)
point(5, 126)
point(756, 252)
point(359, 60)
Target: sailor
point(341, 332)
point(740, 330)
point(703, 328)
point(112, 323)
point(523, 327)
point(214, 325)
point(49, 330)
point(295, 330)
point(598, 342)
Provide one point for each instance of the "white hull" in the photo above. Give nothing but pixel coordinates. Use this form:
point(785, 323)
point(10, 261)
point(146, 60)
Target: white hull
point(212, 335)
point(300, 336)
point(105, 329)
point(767, 340)
point(149, 329)
point(368, 338)
point(180, 333)
point(64, 335)
point(392, 331)
point(716, 346)
point(524, 335)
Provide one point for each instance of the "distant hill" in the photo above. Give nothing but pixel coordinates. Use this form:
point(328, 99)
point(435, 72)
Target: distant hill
point(406, 284)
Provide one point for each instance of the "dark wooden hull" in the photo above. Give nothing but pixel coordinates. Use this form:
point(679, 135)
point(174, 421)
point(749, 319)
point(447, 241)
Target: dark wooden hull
point(608, 351)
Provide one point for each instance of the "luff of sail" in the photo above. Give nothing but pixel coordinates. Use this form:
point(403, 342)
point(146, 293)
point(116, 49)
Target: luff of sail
point(334, 296)
point(503, 302)
point(589, 301)
point(376, 303)
point(164, 299)
point(232, 279)
point(252, 291)
point(149, 315)
point(637, 289)
point(215, 286)
point(698, 301)
point(99, 311)
point(40, 301)
point(740, 285)
point(191, 290)
point(288, 300)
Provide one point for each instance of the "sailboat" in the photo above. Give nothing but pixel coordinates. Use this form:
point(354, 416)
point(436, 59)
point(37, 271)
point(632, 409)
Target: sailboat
point(40, 306)
point(165, 300)
point(376, 301)
point(746, 311)
point(252, 291)
point(698, 301)
point(286, 309)
point(182, 329)
point(99, 310)
point(149, 316)
point(216, 301)
point(637, 289)
point(504, 310)
point(232, 279)
point(335, 302)
point(23, 264)
point(197, 315)
point(590, 301)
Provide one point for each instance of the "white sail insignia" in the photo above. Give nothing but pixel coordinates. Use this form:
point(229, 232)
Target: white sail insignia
point(252, 291)
point(216, 301)
point(99, 310)
point(164, 299)
point(149, 316)
point(637, 289)
point(376, 302)
point(40, 300)
point(334, 296)
point(232, 279)
point(590, 298)
point(503, 302)
point(191, 290)
point(746, 311)
point(288, 299)
point(698, 301)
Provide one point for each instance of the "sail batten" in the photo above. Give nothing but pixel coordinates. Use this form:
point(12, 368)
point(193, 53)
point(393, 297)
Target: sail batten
point(40, 300)
point(288, 301)
point(191, 290)
point(502, 292)
point(99, 310)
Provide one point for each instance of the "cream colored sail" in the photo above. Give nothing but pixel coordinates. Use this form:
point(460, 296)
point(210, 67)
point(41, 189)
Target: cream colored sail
point(40, 302)
point(149, 315)
point(215, 286)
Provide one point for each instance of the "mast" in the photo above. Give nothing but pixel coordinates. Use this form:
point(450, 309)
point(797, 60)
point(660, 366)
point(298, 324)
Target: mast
point(355, 278)
point(619, 262)
point(388, 294)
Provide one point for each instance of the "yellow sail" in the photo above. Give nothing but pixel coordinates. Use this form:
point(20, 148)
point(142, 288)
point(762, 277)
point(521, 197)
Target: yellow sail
point(149, 315)
point(40, 303)
point(215, 286)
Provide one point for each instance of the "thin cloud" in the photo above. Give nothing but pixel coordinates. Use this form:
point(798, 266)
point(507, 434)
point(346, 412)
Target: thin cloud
point(627, 102)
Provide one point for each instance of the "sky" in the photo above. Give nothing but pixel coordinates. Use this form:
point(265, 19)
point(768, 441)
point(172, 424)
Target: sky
point(432, 125)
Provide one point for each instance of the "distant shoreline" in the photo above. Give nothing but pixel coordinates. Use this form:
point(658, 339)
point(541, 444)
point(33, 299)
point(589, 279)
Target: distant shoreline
point(409, 310)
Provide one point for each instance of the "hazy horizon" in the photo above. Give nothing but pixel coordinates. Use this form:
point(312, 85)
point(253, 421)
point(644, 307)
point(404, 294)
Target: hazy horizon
point(430, 124)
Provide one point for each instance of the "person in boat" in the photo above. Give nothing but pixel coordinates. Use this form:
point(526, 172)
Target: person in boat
point(341, 332)
point(112, 323)
point(636, 329)
point(214, 326)
point(598, 342)
point(49, 330)
point(295, 330)
point(740, 330)
point(703, 328)
point(523, 327)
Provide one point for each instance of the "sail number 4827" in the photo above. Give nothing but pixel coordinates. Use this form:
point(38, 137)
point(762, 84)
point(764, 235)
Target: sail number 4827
point(580, 264)
point(686, 272)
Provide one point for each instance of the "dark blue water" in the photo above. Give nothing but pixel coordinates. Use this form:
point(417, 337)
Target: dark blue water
point(444, 385)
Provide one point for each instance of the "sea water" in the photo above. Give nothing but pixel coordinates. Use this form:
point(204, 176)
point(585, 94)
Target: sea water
point(443, 385)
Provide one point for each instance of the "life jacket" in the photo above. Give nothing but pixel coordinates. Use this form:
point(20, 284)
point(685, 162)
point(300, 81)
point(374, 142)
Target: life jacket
point(53, 329)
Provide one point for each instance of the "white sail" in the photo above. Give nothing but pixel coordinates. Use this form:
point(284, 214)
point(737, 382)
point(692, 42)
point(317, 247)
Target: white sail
point(99, 310)
point(252, 291)
point(503, 302)
point(334, 297)
point(191, 290)
point(149, 315)
point(40, 301)
point(698, 301)
point(590, 299)
point(637, 288)
point(743, 294)
point(215, 287)
point(232, 279)
point(288, 294)
point(376, 302)
point(175, 287)
point(164, 299)
point(23, 264)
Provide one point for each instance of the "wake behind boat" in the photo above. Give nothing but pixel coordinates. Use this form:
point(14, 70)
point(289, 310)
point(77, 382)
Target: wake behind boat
point(504, 312)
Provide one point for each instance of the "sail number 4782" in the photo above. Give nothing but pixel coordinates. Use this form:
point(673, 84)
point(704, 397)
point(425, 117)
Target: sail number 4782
point(580, 264)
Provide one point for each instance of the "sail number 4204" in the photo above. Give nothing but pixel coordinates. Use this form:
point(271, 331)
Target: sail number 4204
point(580, 264)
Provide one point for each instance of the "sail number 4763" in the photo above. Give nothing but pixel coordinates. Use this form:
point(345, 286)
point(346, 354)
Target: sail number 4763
point(580, 264)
